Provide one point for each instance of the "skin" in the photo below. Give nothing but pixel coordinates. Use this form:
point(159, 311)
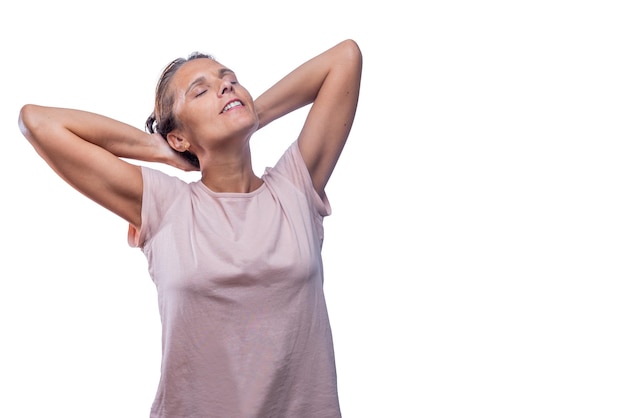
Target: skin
point(84, 148)
point(218, 137)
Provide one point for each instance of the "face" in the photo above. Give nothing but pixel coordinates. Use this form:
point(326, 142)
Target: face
point(211, 106)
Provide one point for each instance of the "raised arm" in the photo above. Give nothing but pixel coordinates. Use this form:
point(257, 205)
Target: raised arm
point(330, 81)
point(84, 149)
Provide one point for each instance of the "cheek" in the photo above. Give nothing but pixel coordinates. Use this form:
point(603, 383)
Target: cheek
point(248, 95)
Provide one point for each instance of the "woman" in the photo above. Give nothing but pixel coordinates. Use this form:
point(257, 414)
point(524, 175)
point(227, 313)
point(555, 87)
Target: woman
point(236, 258)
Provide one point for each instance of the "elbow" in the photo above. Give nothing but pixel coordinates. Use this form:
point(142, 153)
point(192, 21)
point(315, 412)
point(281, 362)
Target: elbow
point(352, 53)
point(25, 119)
point(30, 121)
point(351, 63)
point(351, 66)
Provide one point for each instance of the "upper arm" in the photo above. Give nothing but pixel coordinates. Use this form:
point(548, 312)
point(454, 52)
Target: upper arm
point(89, 168)
point(332, 113)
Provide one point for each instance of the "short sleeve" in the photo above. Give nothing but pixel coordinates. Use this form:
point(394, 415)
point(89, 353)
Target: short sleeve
point(291, 166)
point(160, 190)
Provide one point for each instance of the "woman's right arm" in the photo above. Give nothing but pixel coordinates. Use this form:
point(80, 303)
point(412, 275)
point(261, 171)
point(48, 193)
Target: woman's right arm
point(85, 148)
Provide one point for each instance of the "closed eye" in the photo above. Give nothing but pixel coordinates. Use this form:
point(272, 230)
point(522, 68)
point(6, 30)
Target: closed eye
point(229, 76)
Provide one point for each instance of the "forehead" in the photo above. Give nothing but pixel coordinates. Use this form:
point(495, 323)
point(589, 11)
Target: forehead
point(199, 67)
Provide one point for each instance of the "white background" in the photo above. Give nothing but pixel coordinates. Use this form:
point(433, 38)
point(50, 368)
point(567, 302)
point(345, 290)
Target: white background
point(475, 254)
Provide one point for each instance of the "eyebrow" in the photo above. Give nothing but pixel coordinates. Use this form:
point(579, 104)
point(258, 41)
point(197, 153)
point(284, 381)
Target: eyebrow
point(201, 79)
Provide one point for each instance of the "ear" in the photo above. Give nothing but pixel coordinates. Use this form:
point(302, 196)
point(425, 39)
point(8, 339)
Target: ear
point(177, 142)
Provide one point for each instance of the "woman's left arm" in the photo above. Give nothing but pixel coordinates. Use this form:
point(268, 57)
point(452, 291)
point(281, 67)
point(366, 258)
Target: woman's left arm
point(331, 82)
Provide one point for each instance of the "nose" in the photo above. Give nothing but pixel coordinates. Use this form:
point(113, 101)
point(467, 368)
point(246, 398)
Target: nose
point(225, 87)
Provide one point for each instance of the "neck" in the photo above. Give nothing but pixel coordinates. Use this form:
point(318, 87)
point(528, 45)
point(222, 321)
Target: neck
point(229, 172)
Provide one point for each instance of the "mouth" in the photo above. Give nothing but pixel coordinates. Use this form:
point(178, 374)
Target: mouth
point(230, 105)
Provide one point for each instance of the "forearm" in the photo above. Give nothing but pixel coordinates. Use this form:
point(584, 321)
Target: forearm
point(42, 125)
point(298, 88)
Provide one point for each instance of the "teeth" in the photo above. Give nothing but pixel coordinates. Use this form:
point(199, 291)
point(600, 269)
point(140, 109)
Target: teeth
point(231, 105)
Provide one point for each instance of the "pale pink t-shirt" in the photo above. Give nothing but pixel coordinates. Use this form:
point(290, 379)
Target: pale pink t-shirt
point(245, 329)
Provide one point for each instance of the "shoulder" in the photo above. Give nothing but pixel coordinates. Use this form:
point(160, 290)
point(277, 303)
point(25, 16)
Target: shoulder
point(153, 175)
point(160, 184)
point(160, 192)
point(291, 173)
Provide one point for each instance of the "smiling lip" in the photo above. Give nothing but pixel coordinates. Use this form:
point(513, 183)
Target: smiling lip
point(232, 104)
